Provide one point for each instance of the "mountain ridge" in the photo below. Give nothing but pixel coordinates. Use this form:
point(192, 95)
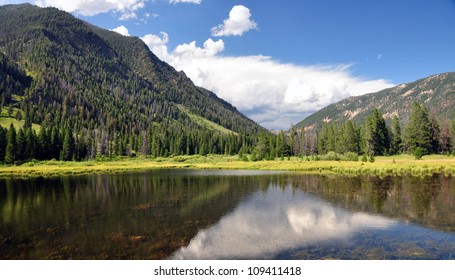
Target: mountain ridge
point(59, 71)
point(436, 91)
point(127, 53)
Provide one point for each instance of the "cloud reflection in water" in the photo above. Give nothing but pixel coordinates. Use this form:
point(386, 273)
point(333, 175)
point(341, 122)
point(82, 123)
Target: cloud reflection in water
point(271, 222)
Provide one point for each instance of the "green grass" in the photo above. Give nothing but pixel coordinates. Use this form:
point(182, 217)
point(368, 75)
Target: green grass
point(383, 166)
point(204, 122)
point(4, 112)
point(6, 122)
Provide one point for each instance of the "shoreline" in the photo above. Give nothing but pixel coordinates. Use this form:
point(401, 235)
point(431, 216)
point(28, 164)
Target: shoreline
point(383, 166)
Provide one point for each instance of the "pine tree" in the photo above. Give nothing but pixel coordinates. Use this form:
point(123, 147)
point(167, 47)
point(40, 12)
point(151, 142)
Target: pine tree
point(395, 136)
point(280, 145)
point(294, 142)
point(332, 138)
point(54, 143)
point(351, 137)
point(263, 147)
point(28, 121)
point(45, 148)
point(376, 137)
point(322, 139)
point(68, 145)
point(10, 156)
point(104, 142)
point(31, 139)
point(435, 133)
point(91, 149)
point(144, 143)
point(3, 143)
point(81, 148)
point(300, 143)
point(155, 146)
point(419, 130)
point(21, 146)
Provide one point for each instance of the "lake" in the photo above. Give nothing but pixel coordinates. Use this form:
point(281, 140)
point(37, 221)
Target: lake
point(191, 214)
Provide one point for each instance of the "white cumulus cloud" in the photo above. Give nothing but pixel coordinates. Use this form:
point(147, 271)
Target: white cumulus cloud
point(158, 45)
point(191, 51)
point(126, 8)
point(185, 1)
point(272, 93)
point(239, 22)
point(299, 220)
point(121, 30)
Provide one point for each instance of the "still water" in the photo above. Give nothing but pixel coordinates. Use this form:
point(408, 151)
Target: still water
point(189, 214)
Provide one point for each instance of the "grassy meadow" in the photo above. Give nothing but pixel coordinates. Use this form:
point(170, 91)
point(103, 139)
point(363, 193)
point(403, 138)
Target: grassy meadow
point(382, 166)
point(6, 121)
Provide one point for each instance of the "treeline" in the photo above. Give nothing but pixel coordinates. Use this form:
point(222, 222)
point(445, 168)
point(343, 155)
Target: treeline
point(69, 144)
point(423, 134)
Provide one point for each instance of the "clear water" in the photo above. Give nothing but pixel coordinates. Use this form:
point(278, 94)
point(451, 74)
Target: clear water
point(185, 214)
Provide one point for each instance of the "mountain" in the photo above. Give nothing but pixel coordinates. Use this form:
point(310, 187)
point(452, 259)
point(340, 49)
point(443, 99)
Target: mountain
point(437, 92)
point(59, 71)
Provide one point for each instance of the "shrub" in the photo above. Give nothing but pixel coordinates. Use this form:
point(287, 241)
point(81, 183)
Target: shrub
point(331, 156)
point(350, 156)
point(419, 153)
point(270, 157)
point(364, 158)
point(317, 158)
point(179, 159)
point(253, 156)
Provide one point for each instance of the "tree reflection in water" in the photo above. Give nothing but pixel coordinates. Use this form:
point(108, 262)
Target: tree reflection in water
point(227, 214)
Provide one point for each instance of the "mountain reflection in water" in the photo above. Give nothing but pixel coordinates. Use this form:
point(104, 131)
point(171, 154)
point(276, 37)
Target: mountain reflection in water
point(205, 214)
point(277, 220)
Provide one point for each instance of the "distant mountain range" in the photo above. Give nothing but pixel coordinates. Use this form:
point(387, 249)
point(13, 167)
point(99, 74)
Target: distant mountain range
point(437, 92)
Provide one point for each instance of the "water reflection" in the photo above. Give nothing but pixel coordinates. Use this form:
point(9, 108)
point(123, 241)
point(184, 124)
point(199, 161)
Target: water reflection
point(128, 216)
point(187, 214)
point(270, 222)
point(428, 201)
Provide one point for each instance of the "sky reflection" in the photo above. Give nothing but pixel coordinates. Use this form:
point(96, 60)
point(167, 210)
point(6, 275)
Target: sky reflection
point(270, 222)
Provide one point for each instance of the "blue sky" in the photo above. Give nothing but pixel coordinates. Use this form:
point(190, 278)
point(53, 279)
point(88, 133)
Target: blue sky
point(279, 61)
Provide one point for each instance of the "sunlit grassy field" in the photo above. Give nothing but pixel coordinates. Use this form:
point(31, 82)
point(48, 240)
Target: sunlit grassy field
point(6, 121)
point(383, 166)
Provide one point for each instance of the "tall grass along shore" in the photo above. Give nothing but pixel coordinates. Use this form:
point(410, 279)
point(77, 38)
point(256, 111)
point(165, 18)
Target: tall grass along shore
point(382, 166)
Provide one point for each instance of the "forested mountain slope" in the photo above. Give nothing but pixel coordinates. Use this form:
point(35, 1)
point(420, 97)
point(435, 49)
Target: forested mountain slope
point(108, 91)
